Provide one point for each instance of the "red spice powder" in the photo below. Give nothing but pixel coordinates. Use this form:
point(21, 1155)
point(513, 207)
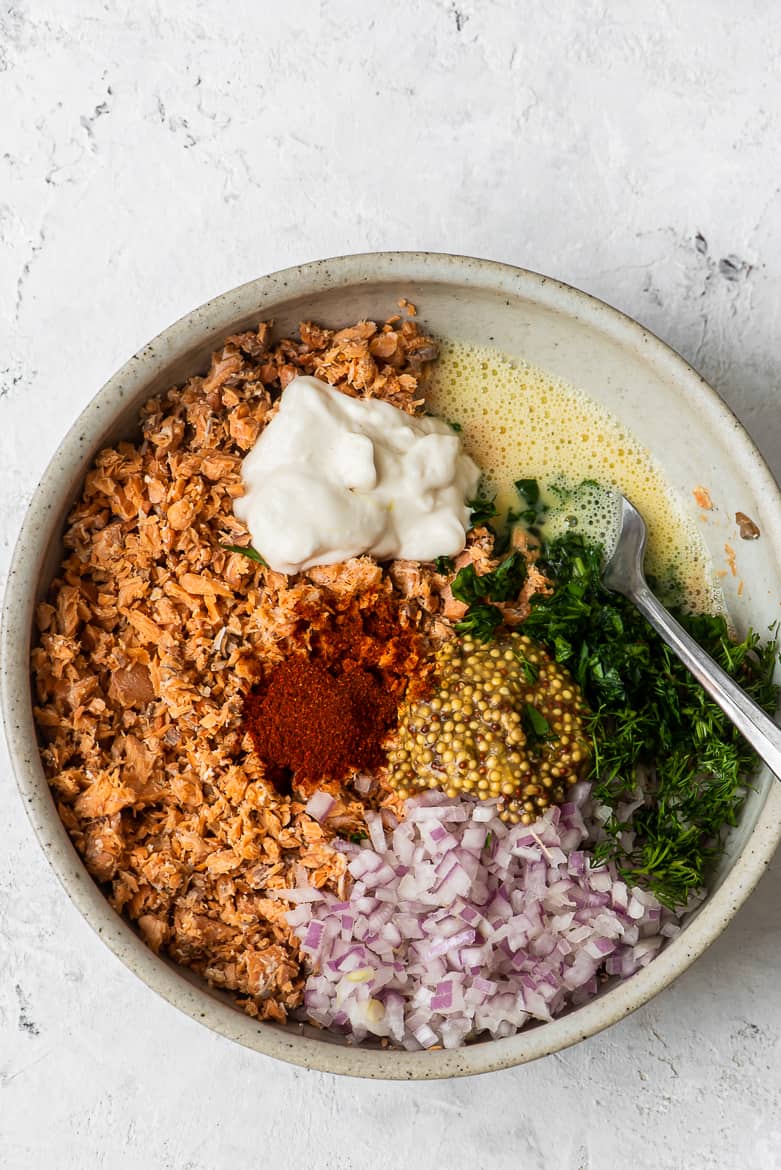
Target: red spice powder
point(324, 711)
point(309, 725)
point(369, 631)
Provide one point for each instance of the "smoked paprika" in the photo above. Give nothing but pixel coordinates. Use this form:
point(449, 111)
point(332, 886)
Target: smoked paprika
point(310, 725)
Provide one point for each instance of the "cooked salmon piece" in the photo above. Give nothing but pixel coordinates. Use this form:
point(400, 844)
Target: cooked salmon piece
point(153, 633)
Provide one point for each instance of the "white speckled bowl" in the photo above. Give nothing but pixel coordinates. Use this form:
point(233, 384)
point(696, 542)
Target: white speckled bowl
point(614, 359)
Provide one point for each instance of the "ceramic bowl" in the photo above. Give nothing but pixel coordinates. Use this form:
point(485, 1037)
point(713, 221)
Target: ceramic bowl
point(528, 316)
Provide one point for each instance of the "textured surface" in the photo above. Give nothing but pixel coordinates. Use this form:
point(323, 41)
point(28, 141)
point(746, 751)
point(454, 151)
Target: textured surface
point(153, 159)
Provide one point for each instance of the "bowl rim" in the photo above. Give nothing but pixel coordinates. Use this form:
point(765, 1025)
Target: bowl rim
point(209, 322)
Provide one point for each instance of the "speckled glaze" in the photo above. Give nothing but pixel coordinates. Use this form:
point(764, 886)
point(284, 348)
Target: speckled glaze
point(529, 316)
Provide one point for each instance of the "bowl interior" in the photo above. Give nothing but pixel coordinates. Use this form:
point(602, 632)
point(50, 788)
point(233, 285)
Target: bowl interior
point(530, 318)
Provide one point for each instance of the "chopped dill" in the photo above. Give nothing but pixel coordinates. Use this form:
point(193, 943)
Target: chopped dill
point(649, 713)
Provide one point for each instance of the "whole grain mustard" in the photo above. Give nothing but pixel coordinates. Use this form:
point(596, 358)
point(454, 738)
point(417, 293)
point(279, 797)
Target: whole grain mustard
point(505, 720)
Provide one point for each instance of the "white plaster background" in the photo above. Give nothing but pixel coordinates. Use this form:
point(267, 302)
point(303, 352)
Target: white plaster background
point(159, 152)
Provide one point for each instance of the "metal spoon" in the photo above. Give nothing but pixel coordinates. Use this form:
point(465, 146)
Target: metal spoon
point(623, 573)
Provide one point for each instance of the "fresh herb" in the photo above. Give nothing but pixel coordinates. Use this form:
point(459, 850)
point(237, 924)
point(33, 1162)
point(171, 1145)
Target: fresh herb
point(245, 551)
point(356, 838)
point(536, 726)
point(531, 671)
point(507, 579)
point(504, 583)
point(488, 839)
point(456, 426)
point(468, 586)
point(483, 509)
point(561, 491)
point(444, 565)
point(529, 492)
point(651, 719)
point(480, 620)
point(476, 590)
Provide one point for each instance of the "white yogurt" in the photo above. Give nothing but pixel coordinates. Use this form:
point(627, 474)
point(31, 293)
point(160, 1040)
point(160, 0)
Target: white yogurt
point(332, 477)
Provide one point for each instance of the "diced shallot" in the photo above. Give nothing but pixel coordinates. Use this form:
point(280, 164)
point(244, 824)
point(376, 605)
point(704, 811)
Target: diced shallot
point(319, 805)
point(460, 925)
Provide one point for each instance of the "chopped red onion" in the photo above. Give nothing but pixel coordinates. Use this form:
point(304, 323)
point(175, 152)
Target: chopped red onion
point(313, 937)
point(376, 831)
point(363, 783)
point(445, 938)
point(301, 894)
point(319, 805)
point(298, 917)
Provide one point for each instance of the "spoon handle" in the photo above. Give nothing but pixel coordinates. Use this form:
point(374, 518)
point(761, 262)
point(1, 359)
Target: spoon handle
point(758, 728)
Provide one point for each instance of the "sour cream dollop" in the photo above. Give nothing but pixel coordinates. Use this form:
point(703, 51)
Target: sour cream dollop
point(333, 477)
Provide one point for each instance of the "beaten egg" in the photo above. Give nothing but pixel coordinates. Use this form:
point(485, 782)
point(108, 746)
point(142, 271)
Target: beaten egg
point(518, 421)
